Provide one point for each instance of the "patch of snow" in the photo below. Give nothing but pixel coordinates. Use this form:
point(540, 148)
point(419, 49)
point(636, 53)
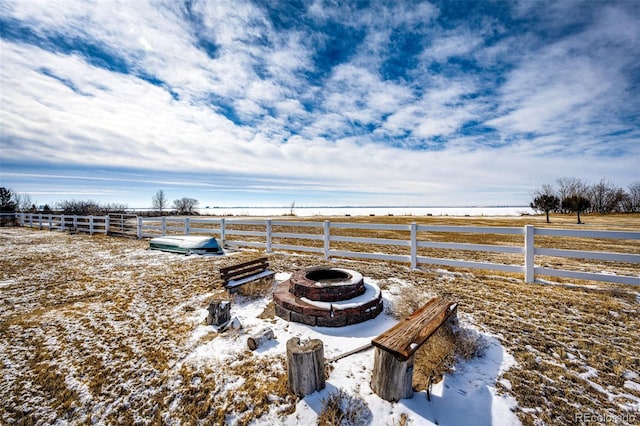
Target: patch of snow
point(632, 385)
point(506, 383)
point(282, 276)
point(591, 372)
point(7, 283)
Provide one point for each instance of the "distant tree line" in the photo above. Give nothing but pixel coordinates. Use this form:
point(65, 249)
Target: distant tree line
point(181, 206)
point(88, 207)
point(573, 195)
point(12, 202)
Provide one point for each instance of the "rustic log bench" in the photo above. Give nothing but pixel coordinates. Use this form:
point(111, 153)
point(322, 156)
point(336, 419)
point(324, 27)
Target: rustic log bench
point(253, 271)
point(395, 348)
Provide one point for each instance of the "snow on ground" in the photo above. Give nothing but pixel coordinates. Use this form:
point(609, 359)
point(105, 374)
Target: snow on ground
point(87, 331)
point(100, 330)
point(466, 395)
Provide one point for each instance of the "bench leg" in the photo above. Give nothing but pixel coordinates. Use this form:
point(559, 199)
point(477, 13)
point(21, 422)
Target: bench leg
point(392, 378)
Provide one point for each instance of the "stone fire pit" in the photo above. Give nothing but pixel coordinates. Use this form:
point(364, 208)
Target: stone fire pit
point(327, 297)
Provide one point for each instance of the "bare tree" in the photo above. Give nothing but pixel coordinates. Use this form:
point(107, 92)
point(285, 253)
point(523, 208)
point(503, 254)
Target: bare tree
point(616, 200)
point(606, 197)
point(79, 207)
point(23, 201)
point(159, 201)
point(114, 208)
point(545, 189)
point(185, 205)
point(88, 207)
point(634, 196)
point(571, 186)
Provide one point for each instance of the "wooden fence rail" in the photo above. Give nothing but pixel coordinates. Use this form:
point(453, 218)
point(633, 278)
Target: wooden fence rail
point(323, 237)
point(52, 222)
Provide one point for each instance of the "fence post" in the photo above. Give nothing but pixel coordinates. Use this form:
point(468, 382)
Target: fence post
point(164, 226)
point(414, 245)
point(139, 229)
point(39, 220)
point(50, 221)
point(222, 233)
point(268, 224)
point(529, 254)
point(75, 222)
point(326, 234)
point(107, 221)
point(30, 220)
point(90, 224)
point(186, 225)
point(62, 222)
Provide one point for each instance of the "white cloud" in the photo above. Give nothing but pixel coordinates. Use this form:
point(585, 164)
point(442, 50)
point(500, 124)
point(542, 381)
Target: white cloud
point(451, 45)
point(570, 87)
point(305, 133)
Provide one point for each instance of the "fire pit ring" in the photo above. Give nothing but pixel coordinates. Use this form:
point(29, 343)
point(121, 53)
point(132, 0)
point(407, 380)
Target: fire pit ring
point(329, 297)
point(327, 284)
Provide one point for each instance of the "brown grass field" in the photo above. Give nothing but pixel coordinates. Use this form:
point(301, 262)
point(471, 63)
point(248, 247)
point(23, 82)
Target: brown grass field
point(96, 329)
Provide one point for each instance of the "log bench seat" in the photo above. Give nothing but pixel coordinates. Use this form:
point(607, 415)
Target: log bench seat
point(235, 276)
point(395, 348)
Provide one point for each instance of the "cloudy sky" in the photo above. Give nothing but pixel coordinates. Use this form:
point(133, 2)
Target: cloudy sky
point(318, 102)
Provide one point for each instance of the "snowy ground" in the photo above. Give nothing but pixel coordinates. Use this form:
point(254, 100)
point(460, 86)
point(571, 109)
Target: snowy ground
point(468, 393)
point(100, 330)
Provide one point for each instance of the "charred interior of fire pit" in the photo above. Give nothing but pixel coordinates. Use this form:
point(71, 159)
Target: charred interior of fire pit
point(327, 297)
point(327, 275)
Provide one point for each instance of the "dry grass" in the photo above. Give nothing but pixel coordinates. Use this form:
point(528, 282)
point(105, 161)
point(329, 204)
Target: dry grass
point(434, 358)
point(343, 409)
point(99, 331)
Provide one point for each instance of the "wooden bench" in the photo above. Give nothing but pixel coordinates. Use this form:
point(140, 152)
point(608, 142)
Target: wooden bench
point(395, 348)
point(253, 271)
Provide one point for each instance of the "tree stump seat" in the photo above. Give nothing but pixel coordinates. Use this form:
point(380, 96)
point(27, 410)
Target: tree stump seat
point(305, 366)
point(395, 348)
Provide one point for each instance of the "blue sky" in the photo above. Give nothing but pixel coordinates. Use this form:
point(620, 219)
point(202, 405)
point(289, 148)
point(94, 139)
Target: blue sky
point(318, 102)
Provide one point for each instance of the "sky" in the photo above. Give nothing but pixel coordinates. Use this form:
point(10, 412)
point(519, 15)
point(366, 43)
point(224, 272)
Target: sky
point(266, 103)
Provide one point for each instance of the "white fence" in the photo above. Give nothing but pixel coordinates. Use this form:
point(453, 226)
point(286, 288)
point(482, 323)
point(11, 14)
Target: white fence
point(319, 236)
point(59, 222)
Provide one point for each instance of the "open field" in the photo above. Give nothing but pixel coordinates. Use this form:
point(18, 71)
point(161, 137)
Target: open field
point(98, 329)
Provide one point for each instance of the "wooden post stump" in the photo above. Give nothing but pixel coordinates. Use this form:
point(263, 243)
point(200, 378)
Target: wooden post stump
point(392, 377)
point(305, 366)
point(259, 338)
point(219, 313)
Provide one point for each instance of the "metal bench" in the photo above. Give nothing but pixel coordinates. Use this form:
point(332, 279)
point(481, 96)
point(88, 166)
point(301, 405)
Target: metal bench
point(395, 348)
point(235, 276)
